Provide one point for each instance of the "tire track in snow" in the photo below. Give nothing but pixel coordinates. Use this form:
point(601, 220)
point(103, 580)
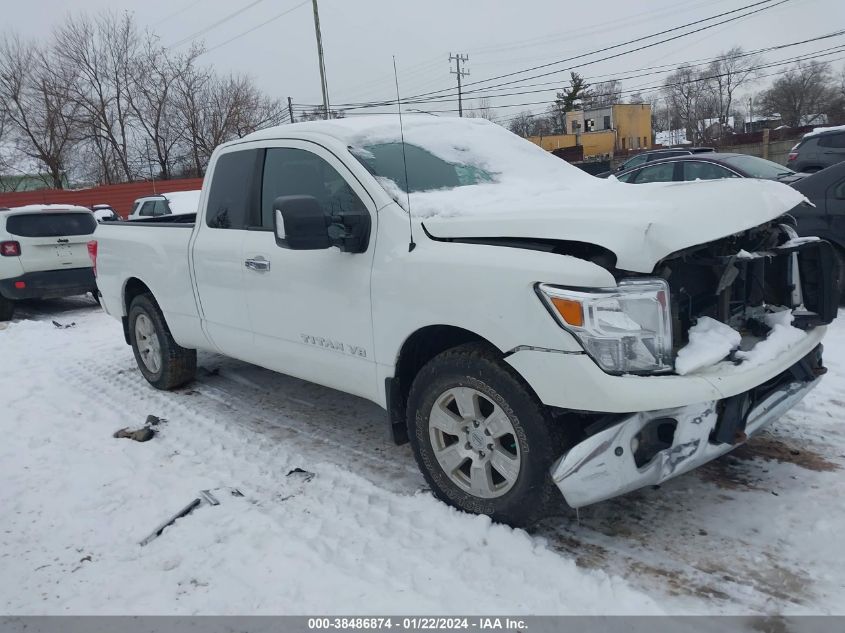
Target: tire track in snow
point(348, 519)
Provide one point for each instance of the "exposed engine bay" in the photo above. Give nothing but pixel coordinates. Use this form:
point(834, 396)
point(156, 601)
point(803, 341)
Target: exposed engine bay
point(739, 279)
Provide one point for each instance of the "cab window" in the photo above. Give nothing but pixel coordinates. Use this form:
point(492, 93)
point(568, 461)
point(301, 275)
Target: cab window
point(233, 194)
point(297, 172)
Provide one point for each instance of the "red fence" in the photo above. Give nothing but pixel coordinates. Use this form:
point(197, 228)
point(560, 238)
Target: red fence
point(120, 197)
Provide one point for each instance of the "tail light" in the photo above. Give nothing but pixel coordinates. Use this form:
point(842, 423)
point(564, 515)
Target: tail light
point(792, 156)
point(92, 253)
point(10, 249)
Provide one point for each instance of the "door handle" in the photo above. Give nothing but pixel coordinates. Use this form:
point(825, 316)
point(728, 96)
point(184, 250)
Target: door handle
point(258, 264)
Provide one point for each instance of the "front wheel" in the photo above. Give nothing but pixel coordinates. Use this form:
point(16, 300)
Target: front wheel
point(161, 360)
point(482, 439)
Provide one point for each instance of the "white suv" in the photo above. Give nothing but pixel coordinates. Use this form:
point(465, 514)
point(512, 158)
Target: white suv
point(176, 203)
point(44, 254)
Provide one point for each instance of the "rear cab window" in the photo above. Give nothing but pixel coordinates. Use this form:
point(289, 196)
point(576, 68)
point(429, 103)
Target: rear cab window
point(235, 190)
point(51, 224)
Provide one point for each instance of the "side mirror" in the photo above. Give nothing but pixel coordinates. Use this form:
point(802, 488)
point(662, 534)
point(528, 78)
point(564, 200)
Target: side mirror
point(300, 223)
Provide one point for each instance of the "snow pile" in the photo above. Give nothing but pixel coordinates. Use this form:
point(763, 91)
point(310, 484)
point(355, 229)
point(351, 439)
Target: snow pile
point(782, 336)
point(184, 202)
point(709, 342)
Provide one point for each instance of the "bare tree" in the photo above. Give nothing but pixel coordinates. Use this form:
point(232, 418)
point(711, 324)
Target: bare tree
point(483, 111)
point(605, 94)
point(318, 113)
point(215, 110)
point(728, 73)
point(103, 53)
point(803, 90)
point(522, 124)
point(39, 109)
point(689, 97)
point(153, 99)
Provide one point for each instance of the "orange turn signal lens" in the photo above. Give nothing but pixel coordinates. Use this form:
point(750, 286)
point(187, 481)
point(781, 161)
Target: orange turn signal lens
point(570, 310)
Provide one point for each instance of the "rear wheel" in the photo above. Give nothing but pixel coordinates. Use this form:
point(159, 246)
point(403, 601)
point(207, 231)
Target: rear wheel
point(7, 309)
point(482, 439)
point(161, 360)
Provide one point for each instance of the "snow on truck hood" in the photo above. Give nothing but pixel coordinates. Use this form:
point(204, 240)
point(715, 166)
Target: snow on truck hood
point(640, 224)
point(530, 193)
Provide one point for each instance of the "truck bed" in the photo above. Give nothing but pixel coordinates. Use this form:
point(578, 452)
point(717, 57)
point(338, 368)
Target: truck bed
point(151, 256)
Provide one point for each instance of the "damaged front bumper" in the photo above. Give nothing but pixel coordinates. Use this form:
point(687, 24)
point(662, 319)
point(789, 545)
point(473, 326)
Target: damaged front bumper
point(648, 448)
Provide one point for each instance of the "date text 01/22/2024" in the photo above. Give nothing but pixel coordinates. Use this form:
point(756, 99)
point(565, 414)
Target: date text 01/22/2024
point(417, 623)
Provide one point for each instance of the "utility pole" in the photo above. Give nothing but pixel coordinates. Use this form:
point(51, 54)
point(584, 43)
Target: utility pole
point(750, 126)
point(323, 84)
point(290, 111)
point(460, 72)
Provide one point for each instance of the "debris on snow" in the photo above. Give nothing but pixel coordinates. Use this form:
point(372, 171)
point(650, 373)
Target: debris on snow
point(203, 498)
point(64, 327)
point(144, 434)
point(306, 475)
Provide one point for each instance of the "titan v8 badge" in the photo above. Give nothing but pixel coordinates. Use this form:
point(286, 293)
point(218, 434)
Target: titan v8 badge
point(337, 346)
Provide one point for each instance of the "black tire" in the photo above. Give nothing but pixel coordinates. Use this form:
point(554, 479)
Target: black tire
point(480, 368)
point(7, 309)
point(177, 365)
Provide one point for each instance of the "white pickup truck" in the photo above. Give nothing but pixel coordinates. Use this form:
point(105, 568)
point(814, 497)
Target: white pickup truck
point(527, 327)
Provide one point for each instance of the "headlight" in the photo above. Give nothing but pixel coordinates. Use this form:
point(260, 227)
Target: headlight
point(627, 329)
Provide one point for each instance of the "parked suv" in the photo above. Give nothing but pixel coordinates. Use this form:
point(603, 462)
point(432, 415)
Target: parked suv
point(818, 149)
point(176, 203)
point(44, 254)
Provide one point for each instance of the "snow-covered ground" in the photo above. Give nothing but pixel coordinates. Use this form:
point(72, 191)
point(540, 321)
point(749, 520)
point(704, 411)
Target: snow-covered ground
point(758, 531)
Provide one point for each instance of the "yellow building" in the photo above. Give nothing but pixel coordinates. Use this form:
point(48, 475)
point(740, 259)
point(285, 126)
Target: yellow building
point(595, 143)
point(616, 128)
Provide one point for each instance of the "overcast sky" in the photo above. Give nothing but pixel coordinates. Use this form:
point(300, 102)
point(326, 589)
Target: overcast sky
point(500, 36)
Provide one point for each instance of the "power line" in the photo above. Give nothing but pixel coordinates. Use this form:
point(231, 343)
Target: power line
point(613, 47)
point(634, 41)
point(177, 12)
point(642, 89)
point(701, 62)
point(215, 24)
point(256, 27)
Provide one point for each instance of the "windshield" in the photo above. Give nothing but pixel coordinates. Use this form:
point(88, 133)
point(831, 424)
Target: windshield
point(754, 167)
point(425, 171)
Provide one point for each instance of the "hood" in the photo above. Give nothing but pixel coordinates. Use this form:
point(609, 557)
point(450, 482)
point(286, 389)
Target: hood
point(640, 224)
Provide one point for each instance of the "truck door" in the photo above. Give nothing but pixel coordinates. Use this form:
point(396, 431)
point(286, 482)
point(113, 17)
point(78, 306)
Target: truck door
point(216, 252)
point(310, 309)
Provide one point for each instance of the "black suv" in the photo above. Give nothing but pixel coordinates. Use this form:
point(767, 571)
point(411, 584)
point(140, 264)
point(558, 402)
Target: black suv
point(818, 149)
